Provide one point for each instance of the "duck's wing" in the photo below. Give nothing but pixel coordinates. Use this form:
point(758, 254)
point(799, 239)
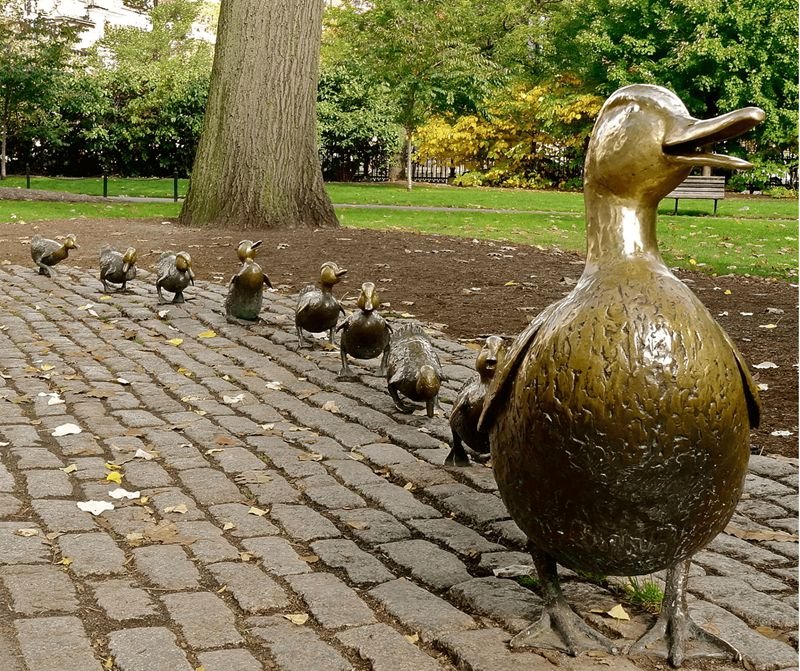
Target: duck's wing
point(504, 375)
point(750, 388)
point(305, 299)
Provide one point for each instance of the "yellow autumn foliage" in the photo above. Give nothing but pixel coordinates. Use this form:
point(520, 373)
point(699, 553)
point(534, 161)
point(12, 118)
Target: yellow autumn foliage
point(523, 127)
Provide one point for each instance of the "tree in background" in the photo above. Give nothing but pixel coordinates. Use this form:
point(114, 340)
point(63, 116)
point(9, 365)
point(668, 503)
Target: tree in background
point(355, 121)
point(433, 57)
point(531, 137)
point(35, 56)
point(717, 56)
point(257, 164)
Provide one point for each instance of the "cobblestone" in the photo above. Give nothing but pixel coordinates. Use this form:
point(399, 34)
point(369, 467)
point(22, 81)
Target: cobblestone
point(350, 499)
point(204, 619)
point(36, 590)
point(56, 644)
point(145, 649)
point(332, 603)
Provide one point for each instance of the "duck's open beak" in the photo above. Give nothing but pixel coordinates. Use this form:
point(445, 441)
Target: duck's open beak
point(684, 143)
point(256, 244)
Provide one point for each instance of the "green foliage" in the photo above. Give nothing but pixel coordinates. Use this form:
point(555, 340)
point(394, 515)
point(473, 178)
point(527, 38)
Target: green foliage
point(528, 581)
point(34, 59)
point(355, 120)
point(646, 594)
point(136, 104)
point(781, 192)
point(759, 177)
point(717, 56)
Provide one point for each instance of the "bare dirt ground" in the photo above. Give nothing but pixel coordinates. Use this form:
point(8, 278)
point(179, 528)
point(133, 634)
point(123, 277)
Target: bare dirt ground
point(469, 288)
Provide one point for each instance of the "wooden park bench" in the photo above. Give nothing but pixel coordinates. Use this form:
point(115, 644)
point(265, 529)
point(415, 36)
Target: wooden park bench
point(699, 187)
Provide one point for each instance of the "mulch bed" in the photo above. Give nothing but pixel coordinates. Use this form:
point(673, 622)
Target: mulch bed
point(468, 287)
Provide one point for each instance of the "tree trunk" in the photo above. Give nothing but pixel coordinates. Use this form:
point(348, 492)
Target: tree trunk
point(409, 166)
point(257, 163)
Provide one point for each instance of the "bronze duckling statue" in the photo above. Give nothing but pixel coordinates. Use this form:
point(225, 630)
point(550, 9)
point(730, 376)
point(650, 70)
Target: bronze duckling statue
point(47, 253)
point(365, 334)
point(117, 267)
point(469, 404)
point(317, 309)
point(174, 274)
point(413, 369)
point(619, 421)
point(246, 288)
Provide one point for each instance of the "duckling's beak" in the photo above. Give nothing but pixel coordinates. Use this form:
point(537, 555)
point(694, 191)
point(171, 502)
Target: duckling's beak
point(340, 272)
point(256, 244)
point(369, 292)
point(191, 275)
point(684, 142)
point(125, 266)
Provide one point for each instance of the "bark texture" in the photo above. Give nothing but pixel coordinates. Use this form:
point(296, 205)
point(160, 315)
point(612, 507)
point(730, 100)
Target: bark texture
point(257, 163)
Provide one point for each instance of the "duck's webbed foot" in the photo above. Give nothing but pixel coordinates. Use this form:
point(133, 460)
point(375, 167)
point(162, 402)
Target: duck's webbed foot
point(402, 406)
point(346, 373)
point(457, 456)
point(674, 628)
point(44, 270)
point(178, 298)
point(558, 617)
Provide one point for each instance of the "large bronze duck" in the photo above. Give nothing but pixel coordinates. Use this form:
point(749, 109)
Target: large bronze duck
point(619, 421)
point(413, 369)
point(317, 309)
point(468, 406)
point(365, 334)
point(47, 253)
point(246, 288)
point(117, 267)
point(174, 274)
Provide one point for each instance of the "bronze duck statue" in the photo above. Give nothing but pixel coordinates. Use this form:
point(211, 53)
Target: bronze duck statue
point(246, 288)
point(117, 267)
point(413, 369)
point(468, 406)
point(619, 421)
point(174, 274)
point(317, 309)
point(365, 334)
point(47, 253)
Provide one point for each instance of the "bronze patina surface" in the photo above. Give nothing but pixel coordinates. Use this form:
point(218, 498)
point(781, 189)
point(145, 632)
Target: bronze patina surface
point(174, 274)
point(317, 309)
point(47, 253)
point(365, 334)
point(117, 267)
point(619, 421)
point(413, 369)
point(468, 406)
point(246, 288)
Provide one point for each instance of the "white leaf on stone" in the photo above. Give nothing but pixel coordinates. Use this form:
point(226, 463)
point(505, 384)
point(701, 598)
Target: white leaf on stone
point(781, 433)
point(774, 311)
point(297, 618)
point(746, 314)
point(724, 313)
point(120, 493)
point(66, 430)
point(763, 386)
point(88, 306)
point(95, 507)
point(162, 314)
point(232, 400)
point(93, 313)
point(765, 364)
point(513, 571)
point(143, 454)
point(274, 384)
point(122, 381)
point(258, 512)
point(27, 533)
point(180, 508)
point(54, 398)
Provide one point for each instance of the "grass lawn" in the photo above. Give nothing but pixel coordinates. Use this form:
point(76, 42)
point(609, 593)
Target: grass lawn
point(428, 195)
point(713, 244)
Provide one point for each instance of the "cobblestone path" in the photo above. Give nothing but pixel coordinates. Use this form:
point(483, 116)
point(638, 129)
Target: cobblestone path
point(291, 522)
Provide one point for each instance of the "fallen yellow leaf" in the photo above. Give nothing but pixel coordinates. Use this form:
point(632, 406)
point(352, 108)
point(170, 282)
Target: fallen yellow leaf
point(70, 469)
point(618, 613)
point(175, 341)
point(257, 511)
point(114, 476)
point(207, 334)
point(297, 618)
point(66, 561)
point(112, 467)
